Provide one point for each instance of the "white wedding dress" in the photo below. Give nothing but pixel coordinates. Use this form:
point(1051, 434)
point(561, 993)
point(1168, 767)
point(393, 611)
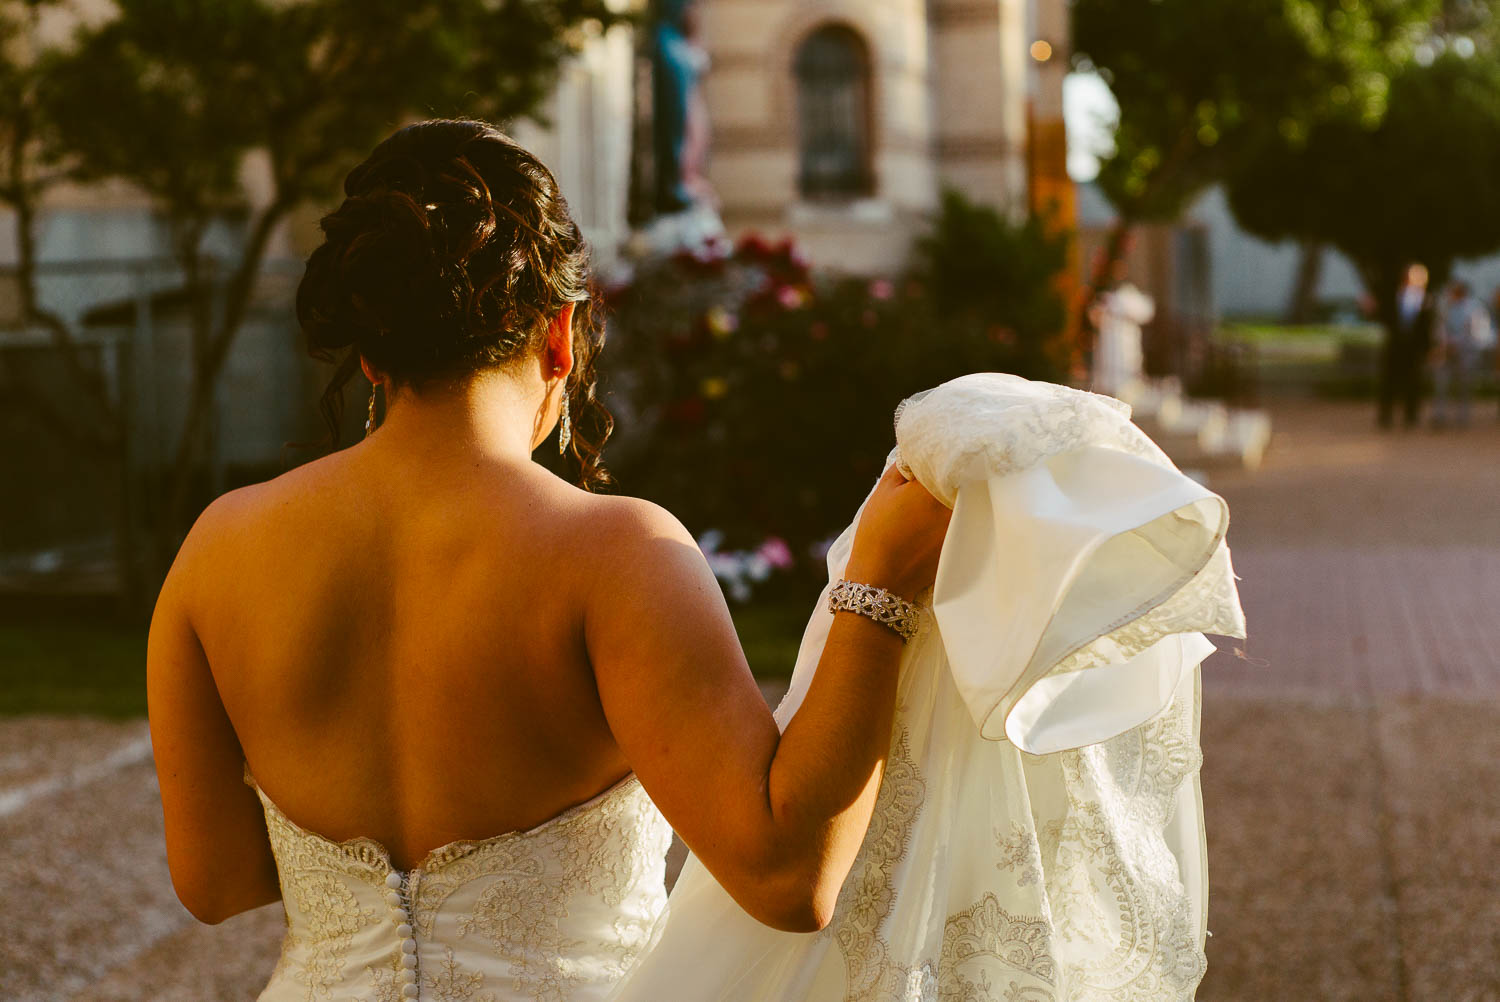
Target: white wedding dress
point(555, 914)
point(1038, 834)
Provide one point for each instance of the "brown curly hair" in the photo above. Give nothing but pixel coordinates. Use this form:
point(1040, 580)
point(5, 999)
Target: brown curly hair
point(452, 252)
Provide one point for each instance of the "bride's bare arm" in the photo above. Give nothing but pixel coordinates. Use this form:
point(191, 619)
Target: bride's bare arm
point(777, 818)
point(198, 756)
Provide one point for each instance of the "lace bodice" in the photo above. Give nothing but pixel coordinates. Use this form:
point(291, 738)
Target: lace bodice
point(558, 913)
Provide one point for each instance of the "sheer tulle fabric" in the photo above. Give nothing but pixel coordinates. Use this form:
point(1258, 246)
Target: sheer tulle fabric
point(1038, 835)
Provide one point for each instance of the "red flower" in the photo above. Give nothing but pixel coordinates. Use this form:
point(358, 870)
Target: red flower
point(685, 411)
point(753, 246)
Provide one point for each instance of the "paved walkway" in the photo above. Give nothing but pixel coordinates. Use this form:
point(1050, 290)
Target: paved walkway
point(1352, 774)
point(1352, 764)
point(1369, 561)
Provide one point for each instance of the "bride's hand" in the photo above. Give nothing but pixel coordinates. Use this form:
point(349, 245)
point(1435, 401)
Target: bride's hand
point(899, 537)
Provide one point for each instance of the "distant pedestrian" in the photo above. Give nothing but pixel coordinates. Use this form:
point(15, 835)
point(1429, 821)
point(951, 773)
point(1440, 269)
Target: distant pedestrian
point(1410, 331)
point(1119, 361)
point(1462, 334)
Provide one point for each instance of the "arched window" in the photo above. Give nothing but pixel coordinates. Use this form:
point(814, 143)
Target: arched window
point(833, 112)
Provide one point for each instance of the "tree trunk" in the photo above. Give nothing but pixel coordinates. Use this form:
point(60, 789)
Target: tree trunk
point(1300, 308)
point(211, 351)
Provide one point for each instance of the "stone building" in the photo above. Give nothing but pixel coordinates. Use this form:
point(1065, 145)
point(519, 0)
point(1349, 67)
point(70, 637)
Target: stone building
point(841, 121)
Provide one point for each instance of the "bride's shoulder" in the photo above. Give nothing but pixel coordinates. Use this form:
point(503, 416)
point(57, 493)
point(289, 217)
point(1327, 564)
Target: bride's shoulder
point(620, 522)
point(238, 518)
point(633, 537)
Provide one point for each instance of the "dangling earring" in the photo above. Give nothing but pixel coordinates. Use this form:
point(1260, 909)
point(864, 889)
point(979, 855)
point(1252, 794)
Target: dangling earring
point(370, 420)
point(564, 427)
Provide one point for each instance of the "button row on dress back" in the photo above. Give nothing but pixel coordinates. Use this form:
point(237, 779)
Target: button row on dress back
point(401, 915)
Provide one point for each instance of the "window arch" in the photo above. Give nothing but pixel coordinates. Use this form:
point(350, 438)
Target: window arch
point(833, 114)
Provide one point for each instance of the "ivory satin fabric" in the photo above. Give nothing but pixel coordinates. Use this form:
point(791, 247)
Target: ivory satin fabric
point(1038, 835)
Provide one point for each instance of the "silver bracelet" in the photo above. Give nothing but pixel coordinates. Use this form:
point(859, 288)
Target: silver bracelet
point(877, 604)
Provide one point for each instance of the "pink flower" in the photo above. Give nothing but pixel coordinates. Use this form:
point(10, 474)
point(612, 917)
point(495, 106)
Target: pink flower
point(882, 289)
point(721, 322)
point(776, 553)
point(791, 297)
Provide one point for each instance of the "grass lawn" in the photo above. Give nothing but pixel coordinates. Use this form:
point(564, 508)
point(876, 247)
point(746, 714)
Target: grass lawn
point(1275, 343)
point(771, 635)
point(74, 665)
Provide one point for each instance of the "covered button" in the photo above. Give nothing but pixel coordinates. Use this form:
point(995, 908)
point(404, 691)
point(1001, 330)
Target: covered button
point(393, 881)
point(409, 960)
point(393, 899)
point(404, 930)
point(408, 945)
point(409, 991)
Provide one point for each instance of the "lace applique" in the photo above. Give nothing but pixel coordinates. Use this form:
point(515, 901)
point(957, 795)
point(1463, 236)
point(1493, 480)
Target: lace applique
point(1108, 850)
point(869, 891)
point(1021, 854)
point(988, 939)
point(315, 873)
point(989, 424)
point(605, 852)
point(387, 984)
point(1207, 603)
point(453, 984)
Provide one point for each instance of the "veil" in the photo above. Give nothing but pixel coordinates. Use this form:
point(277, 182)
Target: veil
point(1038, 835)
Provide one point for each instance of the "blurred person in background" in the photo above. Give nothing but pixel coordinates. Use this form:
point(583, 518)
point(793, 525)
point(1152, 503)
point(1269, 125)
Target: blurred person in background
point(1461, 335)
point(1405, 347)
point(1118, 357)
point(1495, 348)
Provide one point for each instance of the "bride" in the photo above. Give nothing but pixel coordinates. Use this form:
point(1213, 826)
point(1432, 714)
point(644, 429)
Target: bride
point(432, 698)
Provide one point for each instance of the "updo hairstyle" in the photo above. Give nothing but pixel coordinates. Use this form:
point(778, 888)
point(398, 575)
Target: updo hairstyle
point(452, 253)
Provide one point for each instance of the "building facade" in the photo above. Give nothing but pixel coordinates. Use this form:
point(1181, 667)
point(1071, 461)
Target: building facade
point(840, 122)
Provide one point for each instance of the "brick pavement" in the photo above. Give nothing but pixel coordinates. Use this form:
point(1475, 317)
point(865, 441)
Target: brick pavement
point(1370, 562)
point(1352, 765)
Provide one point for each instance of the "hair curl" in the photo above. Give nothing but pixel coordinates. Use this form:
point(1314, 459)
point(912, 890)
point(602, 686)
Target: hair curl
point(452, 253)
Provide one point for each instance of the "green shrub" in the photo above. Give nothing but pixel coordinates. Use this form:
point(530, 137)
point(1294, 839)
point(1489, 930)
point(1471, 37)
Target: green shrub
point(756, 396)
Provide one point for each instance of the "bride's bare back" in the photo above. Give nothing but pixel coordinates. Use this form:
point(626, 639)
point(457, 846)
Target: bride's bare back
point(427, 638)
point(387, 644)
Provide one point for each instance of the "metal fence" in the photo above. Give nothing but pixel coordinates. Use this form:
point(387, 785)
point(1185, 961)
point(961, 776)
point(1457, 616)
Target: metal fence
point(67, 500)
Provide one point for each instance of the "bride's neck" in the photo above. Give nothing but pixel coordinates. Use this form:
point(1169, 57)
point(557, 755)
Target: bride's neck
point(490, 416)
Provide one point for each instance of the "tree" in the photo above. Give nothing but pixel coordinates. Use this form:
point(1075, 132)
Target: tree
point(175, 95)
point(1417, 187)
point(93, 423)
point(1198, 84)
point(26, 173)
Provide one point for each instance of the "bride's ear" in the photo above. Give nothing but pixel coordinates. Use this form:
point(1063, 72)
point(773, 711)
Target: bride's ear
point(558, 352)
point(373, 374)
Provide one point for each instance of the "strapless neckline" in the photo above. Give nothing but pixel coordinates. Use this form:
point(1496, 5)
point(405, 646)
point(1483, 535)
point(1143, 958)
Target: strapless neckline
point(373, 852)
